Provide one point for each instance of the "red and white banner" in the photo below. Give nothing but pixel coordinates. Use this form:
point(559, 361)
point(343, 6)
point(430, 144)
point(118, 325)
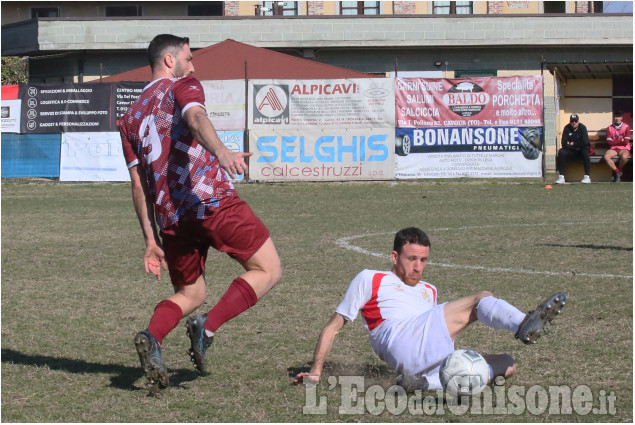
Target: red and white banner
point(469, 102)
point(355, 103)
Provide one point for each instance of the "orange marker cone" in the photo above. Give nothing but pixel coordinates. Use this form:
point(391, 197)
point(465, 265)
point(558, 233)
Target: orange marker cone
point(548, 187)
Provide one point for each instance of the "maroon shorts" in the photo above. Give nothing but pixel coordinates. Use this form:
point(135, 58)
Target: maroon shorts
point(232, 227)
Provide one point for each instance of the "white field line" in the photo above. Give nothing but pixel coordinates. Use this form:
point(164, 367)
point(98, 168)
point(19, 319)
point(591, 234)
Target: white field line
point(346, 244)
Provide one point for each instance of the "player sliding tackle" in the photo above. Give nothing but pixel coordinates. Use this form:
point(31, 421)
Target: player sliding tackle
point(409, 330)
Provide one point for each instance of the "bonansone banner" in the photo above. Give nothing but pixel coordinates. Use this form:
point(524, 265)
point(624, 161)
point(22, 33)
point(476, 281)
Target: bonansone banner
point(478, 152)
point(321, 155)
point(225, 103)
point(469, 102)
point(350, 103)
point(469, 127)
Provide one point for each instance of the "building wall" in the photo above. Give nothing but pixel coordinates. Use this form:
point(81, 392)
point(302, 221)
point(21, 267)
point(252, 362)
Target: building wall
point(15, 11)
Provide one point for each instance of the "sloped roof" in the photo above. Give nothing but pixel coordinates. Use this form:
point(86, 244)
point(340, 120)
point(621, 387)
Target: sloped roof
point(226, 61)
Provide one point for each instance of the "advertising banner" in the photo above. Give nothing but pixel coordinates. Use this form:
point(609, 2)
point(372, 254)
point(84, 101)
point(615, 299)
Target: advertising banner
point(225, 103)
point(476, 127)
point(92, 157)
point(473, 102)
point(99, 156)
point(453, 152)
point(59, 108)
point(321, 155)
point(354, 103)
point(11, 110)
point(124, 95)
point(235, 142)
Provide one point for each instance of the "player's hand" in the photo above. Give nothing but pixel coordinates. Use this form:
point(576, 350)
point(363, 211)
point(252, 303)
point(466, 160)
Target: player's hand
point(154, 260)
point(234, 162)
point(308, 378)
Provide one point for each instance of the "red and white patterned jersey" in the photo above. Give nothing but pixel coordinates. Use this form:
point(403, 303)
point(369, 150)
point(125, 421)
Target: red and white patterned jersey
point(619, 136)
point(182, 176)
point(406, 327)
point(382, 296)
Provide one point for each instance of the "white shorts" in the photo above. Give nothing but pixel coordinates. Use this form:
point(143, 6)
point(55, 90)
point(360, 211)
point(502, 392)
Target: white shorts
point(417, 346)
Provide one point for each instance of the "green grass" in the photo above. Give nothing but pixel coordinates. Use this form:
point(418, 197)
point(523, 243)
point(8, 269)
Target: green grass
point(74, 293)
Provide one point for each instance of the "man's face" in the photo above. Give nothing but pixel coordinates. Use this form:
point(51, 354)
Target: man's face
point(183, 59)
point(410, 263)
point(575, 124)
point(617, 120)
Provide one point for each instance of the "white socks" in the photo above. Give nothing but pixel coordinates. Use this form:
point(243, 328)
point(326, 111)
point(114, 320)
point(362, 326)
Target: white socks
point(499, 314)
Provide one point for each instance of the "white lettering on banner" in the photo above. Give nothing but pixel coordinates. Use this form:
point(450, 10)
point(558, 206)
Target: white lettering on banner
point(420, 112)
point(466, 136)
point(419, 85)
point(516, 84)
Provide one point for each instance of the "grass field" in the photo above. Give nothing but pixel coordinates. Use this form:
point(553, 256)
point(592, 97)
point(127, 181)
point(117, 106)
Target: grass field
point(74, 293)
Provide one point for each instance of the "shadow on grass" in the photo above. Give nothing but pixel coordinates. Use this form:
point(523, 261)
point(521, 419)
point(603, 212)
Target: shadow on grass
point(587, 246)
point(371, 372)
point(124, 377)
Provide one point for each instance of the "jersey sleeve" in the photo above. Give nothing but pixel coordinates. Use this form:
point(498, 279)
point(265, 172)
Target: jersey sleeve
point(128, 151)
point(189, 92)
point(357, 295)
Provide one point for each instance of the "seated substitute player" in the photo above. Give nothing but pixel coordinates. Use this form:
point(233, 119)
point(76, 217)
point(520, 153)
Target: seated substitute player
point(180, 172)
point(409, 330)
point(618, 136)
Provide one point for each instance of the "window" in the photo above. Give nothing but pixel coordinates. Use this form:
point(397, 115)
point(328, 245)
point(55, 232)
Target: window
point(475, 73)
point(214, 8)
point(44, 12)
point(555, 6)
point(131, 10)
point(277, 8)
point(452, 8)
point(359, 8)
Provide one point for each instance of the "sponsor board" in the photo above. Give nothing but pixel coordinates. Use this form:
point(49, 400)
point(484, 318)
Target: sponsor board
point(58, 108)
point(225, 103)
point(11, 115)
point(473, 102)
point(99, 156)
point(355, 103)
point(92, 157)
point(339, 154)
point(468, 152)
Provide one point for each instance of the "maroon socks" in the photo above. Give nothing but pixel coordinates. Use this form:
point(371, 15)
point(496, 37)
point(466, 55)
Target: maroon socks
point(167, 315)
point(238, 298)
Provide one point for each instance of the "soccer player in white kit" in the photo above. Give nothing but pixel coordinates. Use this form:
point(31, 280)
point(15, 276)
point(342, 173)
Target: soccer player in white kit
point(409, 330)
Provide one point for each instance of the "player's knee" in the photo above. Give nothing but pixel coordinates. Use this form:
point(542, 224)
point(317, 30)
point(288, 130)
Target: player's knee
point(480, 295)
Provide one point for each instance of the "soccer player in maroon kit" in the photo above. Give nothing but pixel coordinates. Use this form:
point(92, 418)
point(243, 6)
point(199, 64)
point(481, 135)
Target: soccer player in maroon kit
point(180, 173)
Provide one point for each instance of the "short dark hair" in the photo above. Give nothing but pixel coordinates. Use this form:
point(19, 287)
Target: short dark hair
point(408, 235)
point(163, 42)
point(618, 113)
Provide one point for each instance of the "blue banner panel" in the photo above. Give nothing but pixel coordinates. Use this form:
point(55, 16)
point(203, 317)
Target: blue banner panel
point(31, 155)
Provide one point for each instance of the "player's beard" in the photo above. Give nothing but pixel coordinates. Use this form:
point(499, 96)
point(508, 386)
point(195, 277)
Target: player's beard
point(178, 70)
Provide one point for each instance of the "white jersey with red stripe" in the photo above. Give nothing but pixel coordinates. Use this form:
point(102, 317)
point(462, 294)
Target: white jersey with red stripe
point(406, 327)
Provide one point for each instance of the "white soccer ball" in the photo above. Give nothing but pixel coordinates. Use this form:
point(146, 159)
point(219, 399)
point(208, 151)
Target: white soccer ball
point(464, 372)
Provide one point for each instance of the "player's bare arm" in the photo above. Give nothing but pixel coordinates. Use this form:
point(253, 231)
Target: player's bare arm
point(153, 258)
point(205, 134)
point(322, 349)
